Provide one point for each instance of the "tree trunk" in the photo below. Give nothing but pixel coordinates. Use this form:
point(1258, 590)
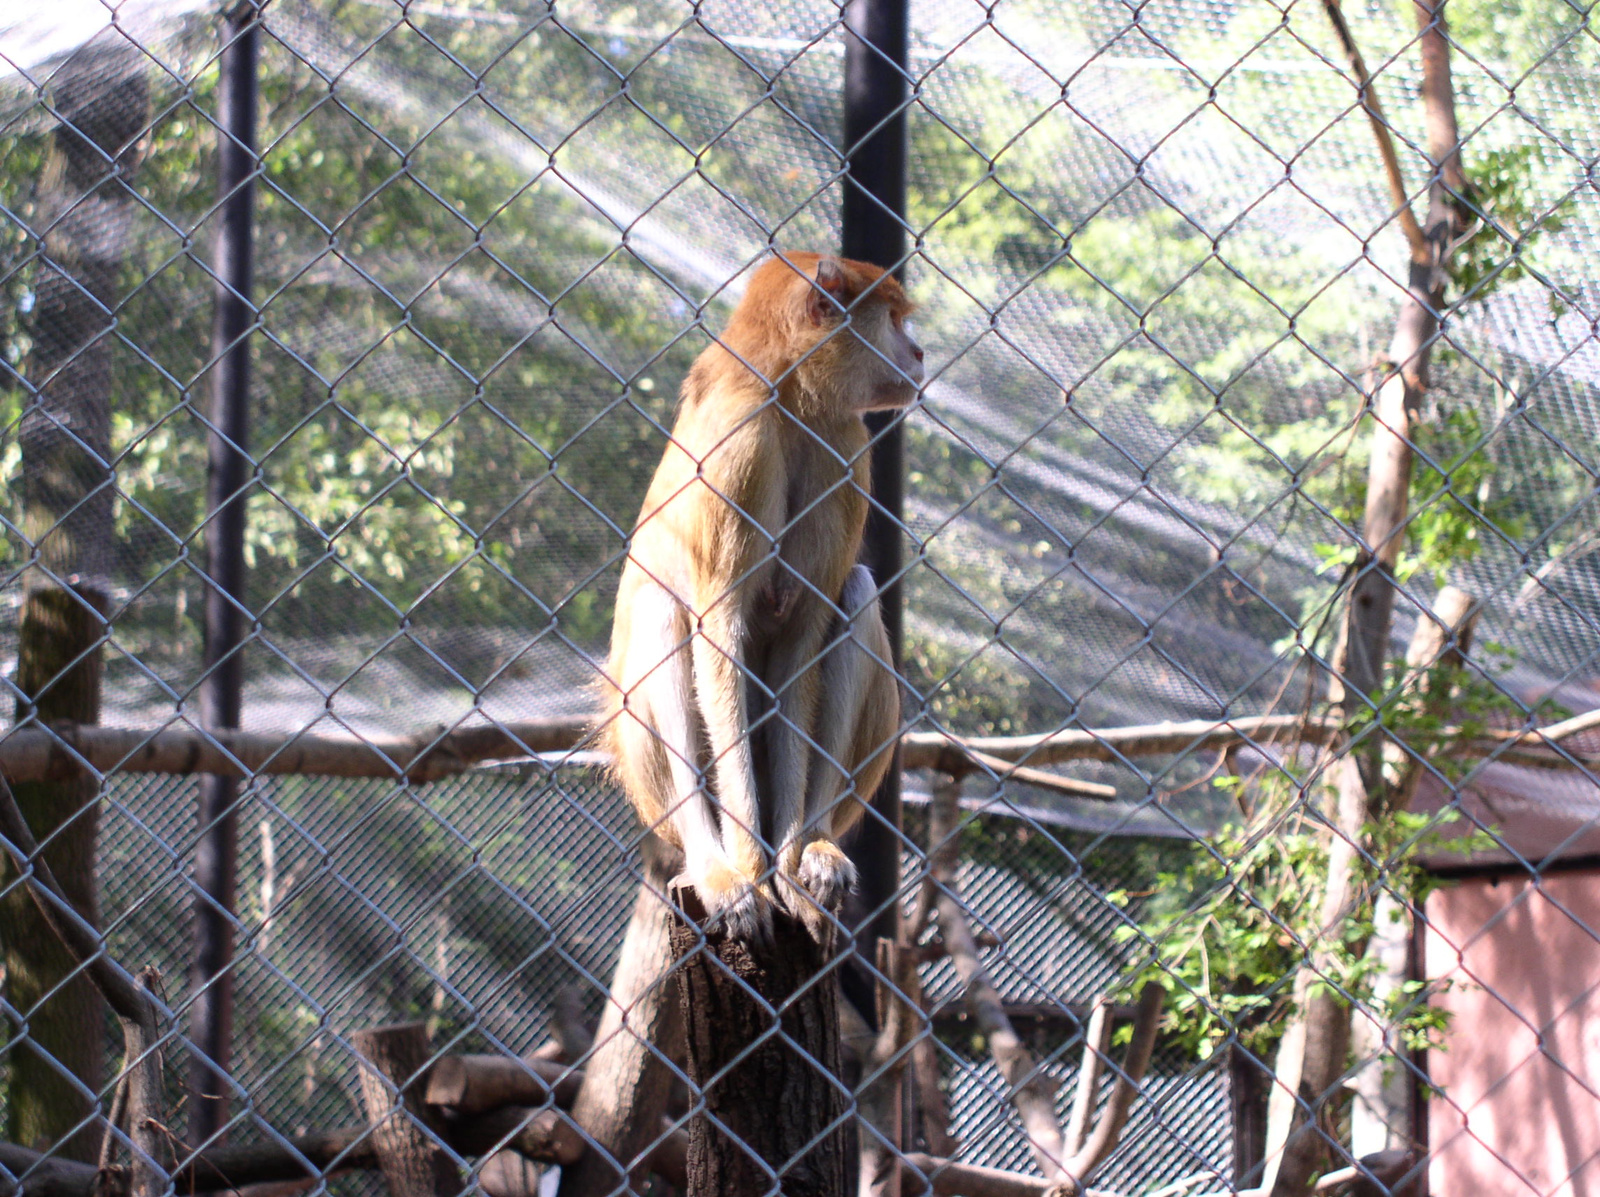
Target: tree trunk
point(627, 1080)
point(776, 1116)
point(407, 1139)
point(1313, 1059)
point(67, 512)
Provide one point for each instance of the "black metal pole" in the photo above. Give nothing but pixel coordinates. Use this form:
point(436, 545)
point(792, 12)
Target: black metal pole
point(877, 34)
point(216, 853)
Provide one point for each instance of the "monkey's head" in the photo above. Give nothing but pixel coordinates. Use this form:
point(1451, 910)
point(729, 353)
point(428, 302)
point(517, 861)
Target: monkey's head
point(841, 325)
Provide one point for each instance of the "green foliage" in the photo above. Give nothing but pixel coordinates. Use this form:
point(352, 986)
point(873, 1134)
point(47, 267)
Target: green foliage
point(1507, 220)
point(1231, 927)
point(1225, 930)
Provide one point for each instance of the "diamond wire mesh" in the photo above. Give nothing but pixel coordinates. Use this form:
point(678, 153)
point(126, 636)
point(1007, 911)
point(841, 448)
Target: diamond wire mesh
point(489, 243)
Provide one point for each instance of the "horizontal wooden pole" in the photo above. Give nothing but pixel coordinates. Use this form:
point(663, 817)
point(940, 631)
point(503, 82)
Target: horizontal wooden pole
point(64, 750)
point(936, 750)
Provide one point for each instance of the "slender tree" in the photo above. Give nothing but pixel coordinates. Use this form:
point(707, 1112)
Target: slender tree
point(99, 97)
point(1315, 1050)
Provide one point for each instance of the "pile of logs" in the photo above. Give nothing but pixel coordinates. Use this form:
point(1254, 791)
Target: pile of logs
point(425, 1115)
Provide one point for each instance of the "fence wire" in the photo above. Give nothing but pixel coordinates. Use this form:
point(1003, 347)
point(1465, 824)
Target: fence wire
point(1251, 596)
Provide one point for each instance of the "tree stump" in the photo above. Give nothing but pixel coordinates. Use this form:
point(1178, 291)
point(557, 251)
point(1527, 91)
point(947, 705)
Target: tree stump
point(776, 1118)
point(405, 1137)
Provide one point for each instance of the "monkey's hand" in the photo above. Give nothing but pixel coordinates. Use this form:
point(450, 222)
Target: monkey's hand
point(733, 902)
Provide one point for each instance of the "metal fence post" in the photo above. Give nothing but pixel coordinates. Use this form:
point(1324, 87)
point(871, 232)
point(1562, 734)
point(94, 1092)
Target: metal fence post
point(877, 33)
point(216, 854)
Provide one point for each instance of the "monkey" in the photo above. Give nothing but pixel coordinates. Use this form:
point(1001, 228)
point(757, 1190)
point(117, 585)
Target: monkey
point(749, 685)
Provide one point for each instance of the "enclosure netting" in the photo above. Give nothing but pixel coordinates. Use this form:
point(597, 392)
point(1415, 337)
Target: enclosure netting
point(1153, 257)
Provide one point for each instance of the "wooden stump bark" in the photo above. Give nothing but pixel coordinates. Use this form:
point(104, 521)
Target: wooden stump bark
point(762, 1029)
point(405, 1136)
point(627, 1080)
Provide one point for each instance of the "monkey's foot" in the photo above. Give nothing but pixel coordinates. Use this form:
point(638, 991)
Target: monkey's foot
point(734, 905)
point(826, 873)
point(817, 887)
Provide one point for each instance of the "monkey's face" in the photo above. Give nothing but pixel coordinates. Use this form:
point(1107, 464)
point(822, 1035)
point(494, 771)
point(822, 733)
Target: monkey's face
point(885, 363)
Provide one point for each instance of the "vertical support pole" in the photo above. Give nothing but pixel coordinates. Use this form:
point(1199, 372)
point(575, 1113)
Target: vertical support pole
point(877, 35)
point(216, 854)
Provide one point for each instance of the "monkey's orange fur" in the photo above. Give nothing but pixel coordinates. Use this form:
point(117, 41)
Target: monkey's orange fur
point(749, 707)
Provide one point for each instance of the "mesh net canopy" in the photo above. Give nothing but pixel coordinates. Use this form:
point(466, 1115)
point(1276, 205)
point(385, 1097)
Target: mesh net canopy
point(1157, 267)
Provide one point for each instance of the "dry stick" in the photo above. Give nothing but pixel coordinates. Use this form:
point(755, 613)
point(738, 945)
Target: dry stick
point(1031, 1093)
point(948, 1179)
point(1006, 771)
point(943, 858)
point(952, 754)
point(1108, 1130)
point(135, 1009)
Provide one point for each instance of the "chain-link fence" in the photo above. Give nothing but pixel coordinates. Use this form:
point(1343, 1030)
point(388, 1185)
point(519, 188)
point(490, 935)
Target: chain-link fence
point(1247, 579)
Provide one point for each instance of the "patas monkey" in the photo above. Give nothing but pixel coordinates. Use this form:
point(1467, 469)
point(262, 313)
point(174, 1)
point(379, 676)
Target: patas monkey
point(750, 707)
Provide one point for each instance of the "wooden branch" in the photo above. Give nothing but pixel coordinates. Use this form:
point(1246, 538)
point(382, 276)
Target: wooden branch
point(1553, 734)
point(1031, 1092)
point(1108, 1130)
point(1438, 97)
point(880, 1097)
point(142, 1078)
point(952, 754)
point(1006, 771)
point(126, 997)
point(44, 1175)
point(303, 1157)
point(1438, 646)
point(35, 754)
point(1096, 1045)
point(406, 1135)
point(307, 1158)
point(950, 1179)
point(133, 1002)
point(935, 948)
point(1415, 239)
point(628, 1082)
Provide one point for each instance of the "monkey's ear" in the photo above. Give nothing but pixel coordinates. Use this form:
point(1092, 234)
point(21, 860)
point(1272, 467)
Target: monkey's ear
point(830, 285)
